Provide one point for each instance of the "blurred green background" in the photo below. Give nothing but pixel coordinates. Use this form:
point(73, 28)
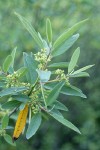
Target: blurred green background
point(84, 113)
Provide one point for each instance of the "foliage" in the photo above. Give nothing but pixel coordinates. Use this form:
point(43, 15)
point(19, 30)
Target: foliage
point(85, 114)
point(36, 92)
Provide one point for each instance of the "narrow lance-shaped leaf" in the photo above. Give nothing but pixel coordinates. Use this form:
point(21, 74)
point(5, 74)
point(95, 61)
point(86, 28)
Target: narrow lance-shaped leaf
point(45, 44)
point(64, 46)
point(11, 68)
point(48, 30)
point(47, 47)
point(64, 122)
point(82, 69)
point(7, 128)
point(59, 65)
point(74, 60)
point(54, 93)
point(33, 126)
point(80, 74)
point(68, 33)
point(12, 91)
point(73, 91)
point(21, 98)
point(31, 30)
point(5, 121)
point(67, 90)
point(13, 56)
point(11, 104)
point(22, 106)
point(7, 63)
point(56, 111)
point(8, 139)
point(60, 106)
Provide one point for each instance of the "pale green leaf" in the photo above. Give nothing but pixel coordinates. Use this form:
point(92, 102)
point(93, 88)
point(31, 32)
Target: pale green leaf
point(22, 106)
point(60, 106)
point(59, 65)
point(44, 75)
point(31, 66)
point(82, 69)
point(65, 122)
point(56, 111)
point(5, 121)
point(21, 98)
point(8, 139)
point(12, 91)
point(73, 91)
point(34, 125)
point(54, 93)
point(65, 46)
point(67, 90)
point(7, 63)
point(46, 47)
point(67, 34)
point(11, 104)
point(48, 30)
point(80, 74)
point(13, 56)
point(30, 29)
point(74, 60)
point(22, 71)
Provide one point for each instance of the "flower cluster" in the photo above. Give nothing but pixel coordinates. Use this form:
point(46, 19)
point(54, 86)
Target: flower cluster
point(34, 101)
point(12, 80)
point(42, 58)
point(62, 76)
point(2, 132)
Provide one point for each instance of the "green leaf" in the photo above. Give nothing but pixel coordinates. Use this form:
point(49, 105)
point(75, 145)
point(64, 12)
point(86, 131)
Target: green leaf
point(21, 98)
point(2, 84)
point(11, 104)
point(44, 75)
point(22, 106)
point(65, 122)
point(56, 111)
point(5, 121)
point(8, 139)
point(65, 46)
point(11, 70)
point(74, 60)
point(40, 37)
point(7, 63)
point(31, 65)
point(59, 65)
point(7, 128)
point(13, 56)
point(73, 91)
point(67, 34)
point(12, 91)
point(82, 69)
point(81, 74)
point(33, 126)
point(22, 71)
point(48, 30)
point(60, 106)
point(67, 90)
point(46, 47)
point(54, 93)
point(30, 29)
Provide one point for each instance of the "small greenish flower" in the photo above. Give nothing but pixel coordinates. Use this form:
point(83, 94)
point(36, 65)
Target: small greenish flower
point(42, 58)
point(2, 132)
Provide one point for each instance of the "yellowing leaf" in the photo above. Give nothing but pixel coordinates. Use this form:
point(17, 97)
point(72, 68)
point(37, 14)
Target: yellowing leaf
point(20, 124)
